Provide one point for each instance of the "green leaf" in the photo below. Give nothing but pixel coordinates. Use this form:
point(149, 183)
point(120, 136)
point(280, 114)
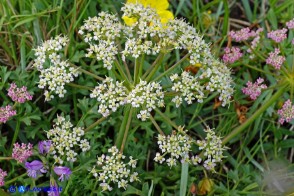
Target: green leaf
point(184, 178)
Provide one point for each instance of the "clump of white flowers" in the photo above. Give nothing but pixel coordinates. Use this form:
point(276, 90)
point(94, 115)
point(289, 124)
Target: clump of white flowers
point(188, 87)
point(213, 149)
point(55, 73)
point(110, 95)
point(219, 79)
point(179, 145)
point(146, 96)
point(114, 168)
point(66, 139)
point(100, 33)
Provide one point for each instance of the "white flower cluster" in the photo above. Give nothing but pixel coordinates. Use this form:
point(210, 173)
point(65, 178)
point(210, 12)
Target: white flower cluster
point(140, 35)
point(55, 75)
point(100, 33)
point(110, 95)
point(219, 80)
point(188, 87)
point(184, 36)
point(146, 96)
point(65, 139)
point(177, 145)
point(213, 149)
point(113, 169)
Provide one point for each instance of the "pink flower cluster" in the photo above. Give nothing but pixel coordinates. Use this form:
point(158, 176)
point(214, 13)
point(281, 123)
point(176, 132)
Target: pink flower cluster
point(244, 34)
point(274, 59)
point(254, 90)
point(232, 54)
point(6, 113)
point(19, 95)
point(290, 24)
point(21, 153)
point(2, 175)
point(278, 35)
point(287, 112)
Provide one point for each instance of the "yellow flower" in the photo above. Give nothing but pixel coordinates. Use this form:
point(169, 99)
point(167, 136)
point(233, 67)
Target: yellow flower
point(160, 7)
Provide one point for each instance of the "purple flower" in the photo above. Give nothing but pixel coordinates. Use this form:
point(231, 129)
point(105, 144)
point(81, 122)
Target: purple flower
point(290, 24)
point(275, 59)
point(22, 152)
point(6, 113)
point(254, 89)
point(19, 95)
point(287, 112)
point(35, 168)
point(44, 146)
point(2, 175)
point(232, 54)
point(278, 35)
point(63, 172)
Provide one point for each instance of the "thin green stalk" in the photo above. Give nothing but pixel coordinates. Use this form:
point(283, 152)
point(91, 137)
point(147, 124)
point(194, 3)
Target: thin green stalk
point(167, 119)
point(127, 70)
point(17, 128)
point(158, 59)
point(122, 73)
point(95, 124)
point(124, 126)
point(5, 158)
point(87, 72)
point(156, 126)
point(248, 122)
point(136, 71)
point(14, 179)
point(126, 131)
point(172, 67)
point(79, 86)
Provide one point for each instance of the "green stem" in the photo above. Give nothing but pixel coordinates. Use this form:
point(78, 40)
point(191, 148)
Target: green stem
point(95, 124)
point(155, 68)
point(156, 126)
point(122, 73)
point(166, 119)
point(158, 59)
point(14, 179)
point(79, 86)
point(248, 122)
point(172, 67)
point(5, 158)
point(122, 130)
point(126, 131)
point(127, 70)
point(87, 72)
point(17, 128)
point(136, 71)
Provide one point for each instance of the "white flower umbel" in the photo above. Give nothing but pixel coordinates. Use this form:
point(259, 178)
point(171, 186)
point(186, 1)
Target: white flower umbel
point(219, 80)
point(110, 95)
point(174, 146)
point(188, 88)
point(55, 72)
point(146, 96)
point(66, 139)
point(114, 168)
point(179, 145)
point(100, 33)
point(213, 149)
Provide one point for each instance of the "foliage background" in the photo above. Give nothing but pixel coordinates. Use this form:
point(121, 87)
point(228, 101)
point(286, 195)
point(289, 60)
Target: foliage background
point(259, 156)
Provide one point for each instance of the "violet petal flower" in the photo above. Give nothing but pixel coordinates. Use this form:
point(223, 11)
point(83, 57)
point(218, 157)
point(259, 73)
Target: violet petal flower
point(35, 168)
point(44, 146)
point(63, 172)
